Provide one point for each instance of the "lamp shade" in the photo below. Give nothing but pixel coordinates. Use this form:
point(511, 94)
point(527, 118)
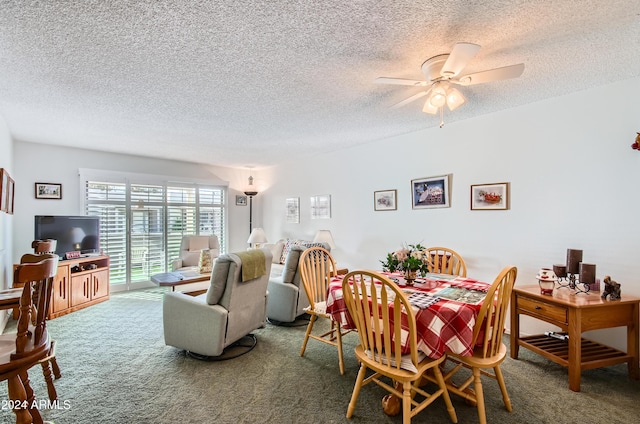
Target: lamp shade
point(257, 236)
point(324, 236)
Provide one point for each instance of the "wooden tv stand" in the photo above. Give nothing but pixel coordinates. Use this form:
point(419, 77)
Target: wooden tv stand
point(78, 284)
point(575, 313)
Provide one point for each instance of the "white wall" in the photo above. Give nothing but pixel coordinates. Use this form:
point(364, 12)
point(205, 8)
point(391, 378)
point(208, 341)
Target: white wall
point(574, 184)
point(54, 164)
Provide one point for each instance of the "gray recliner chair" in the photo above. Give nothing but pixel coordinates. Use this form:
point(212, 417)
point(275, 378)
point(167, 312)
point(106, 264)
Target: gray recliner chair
point(205, 325)
point(287, 297)
point(190, 248)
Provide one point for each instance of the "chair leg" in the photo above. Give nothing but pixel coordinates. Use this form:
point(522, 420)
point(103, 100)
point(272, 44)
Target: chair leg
point(477, 386)
point(18, 395)
point(55, 367)
point(445, 394)
point(503, 388)
point(339, 345)
point(356, 390)
point(51, 389)
point(306, 335)
point(406, 402)
point(31, 398)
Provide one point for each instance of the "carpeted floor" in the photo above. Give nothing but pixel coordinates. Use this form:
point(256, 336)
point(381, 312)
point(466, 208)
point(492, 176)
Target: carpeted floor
point(117, 369)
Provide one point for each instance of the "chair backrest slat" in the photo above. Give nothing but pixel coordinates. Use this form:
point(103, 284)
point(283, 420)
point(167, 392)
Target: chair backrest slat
point(317, 267)
point(446, 261)
point(490, 322)
point(378, 308)
point(37, 278)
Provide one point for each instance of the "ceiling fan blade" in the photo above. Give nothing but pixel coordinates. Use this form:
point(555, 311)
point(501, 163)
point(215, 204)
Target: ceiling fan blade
point(400, 81)
point(507, 72)
point(410, 99)
point(460, 56)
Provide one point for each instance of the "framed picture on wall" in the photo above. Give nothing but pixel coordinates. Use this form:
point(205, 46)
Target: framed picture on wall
point(490, 196)
point(48, 191)
point(10, 195)
point(321, 206)
point(385, 200)
point(293, 210)
point(432, 192)
point(241, 200)
point(4, 189)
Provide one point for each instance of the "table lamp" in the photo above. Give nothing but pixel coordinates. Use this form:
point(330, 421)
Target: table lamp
point(324, 236)
point(257, 237)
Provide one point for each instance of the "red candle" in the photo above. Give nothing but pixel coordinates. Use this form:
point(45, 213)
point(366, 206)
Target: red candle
point(574, 257)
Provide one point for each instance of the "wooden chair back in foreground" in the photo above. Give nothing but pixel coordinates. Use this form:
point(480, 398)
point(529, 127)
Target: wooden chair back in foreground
point(377, 305)
point(44, 246)
point(30, 343)
point(49, 363)
point(446, 261)
point(317, 268)
point(489, 351)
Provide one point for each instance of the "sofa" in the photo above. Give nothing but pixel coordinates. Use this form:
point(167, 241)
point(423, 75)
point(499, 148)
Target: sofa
point(287, 298)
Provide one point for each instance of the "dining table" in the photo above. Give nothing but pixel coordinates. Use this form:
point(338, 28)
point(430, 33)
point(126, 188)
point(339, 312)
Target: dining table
point(445, 307)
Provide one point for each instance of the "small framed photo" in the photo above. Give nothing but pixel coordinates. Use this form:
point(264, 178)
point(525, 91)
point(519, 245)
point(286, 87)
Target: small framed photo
point(10, 195)
point(48, 191)
point(293, 210)
point(385, 200)
point(432, 192)
point(321, 206)
point(4, 189)
point(241, 200)
point(490, 196)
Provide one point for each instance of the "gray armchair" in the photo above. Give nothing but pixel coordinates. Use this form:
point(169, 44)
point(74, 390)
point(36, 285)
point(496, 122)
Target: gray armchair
point(206, 324)
point(287, 298)
point(190, 248)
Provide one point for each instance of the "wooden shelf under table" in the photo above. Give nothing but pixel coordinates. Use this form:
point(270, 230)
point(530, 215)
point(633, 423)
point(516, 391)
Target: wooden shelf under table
point(575, 314)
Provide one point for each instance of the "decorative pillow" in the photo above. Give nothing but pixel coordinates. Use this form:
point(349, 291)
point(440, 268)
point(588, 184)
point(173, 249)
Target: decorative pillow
point(309, 244)
point(276, 251)
point(288, 244)
point(218, 281)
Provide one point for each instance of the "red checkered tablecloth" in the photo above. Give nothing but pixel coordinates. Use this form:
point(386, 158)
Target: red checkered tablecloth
point(444, 326)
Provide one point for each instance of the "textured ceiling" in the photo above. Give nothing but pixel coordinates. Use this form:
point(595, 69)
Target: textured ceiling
point(257, 83)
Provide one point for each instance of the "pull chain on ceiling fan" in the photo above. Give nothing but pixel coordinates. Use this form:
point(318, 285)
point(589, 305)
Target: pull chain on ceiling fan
point(442, 72)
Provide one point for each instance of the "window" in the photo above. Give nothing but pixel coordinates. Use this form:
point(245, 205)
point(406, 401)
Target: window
point(142, 225)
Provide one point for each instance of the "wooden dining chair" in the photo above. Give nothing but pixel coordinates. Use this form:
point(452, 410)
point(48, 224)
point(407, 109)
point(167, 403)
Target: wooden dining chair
point(489, 351)
point(49, 363)
point(30, 344)
point(446, 261)
point(386, 324)
point(317, 267)
point(44, 246)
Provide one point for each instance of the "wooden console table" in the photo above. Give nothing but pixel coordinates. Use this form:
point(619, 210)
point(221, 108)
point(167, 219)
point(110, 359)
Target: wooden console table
point(574, 314)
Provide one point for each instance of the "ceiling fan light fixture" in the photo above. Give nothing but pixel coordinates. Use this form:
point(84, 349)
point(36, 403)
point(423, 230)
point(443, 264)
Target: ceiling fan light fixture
point(429, 108)
point(455, 99)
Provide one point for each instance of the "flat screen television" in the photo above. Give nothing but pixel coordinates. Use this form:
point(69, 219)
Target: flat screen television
point(73, 233)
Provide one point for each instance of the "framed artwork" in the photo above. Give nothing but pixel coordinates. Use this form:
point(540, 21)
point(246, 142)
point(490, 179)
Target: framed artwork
point(490, 197)
point(293, 210)
point(10, 195)
point(432, 192)
point(48, 191)
point(241, 200)
point(385, 200)
point(321, 206)
point(4, 189)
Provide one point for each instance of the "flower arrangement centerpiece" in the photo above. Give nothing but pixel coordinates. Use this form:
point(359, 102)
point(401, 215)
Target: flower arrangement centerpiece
point(410, 259)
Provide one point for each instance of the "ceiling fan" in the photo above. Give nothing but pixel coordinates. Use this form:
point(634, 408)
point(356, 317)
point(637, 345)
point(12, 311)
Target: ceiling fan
point(442, 72)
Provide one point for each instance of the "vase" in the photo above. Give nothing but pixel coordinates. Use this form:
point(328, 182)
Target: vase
point(409, 277)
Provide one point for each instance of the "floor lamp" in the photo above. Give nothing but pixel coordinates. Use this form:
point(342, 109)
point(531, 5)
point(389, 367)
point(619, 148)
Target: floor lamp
point(250, 191)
